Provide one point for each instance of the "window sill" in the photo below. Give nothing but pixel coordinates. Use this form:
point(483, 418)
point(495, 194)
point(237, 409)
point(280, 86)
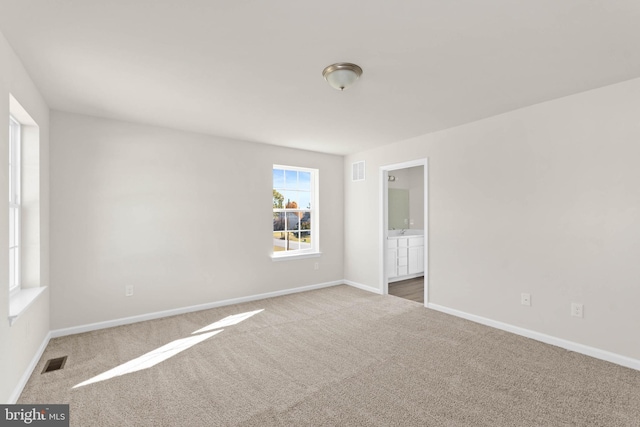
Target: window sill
point(295, 256)
point(21, 300)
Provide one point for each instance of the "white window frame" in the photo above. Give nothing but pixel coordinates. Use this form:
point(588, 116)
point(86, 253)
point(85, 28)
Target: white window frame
point(15, 208)
point(314, 216)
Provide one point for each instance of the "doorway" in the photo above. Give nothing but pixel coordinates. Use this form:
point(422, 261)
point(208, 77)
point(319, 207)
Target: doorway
point(404, 230)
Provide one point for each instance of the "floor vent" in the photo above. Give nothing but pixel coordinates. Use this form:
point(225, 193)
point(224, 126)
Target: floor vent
point(54, 364)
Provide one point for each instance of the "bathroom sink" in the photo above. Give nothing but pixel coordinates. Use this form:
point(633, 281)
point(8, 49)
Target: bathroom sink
point(410, 232)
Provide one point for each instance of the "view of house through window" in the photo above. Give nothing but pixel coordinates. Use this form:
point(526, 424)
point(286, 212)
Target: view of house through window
point(294, 210)
point(14, 205)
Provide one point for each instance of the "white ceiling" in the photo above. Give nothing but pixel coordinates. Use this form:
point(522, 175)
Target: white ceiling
point(252, 70)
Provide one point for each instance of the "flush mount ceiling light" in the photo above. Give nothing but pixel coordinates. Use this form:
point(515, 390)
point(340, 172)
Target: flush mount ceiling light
point(341, 75)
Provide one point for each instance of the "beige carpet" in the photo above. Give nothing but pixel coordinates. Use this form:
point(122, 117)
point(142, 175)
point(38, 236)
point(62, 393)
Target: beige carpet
point(333, 357)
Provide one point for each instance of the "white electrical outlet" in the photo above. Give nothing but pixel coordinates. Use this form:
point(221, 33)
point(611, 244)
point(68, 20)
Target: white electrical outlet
point(128, 290)
point(316, 266)
point(525, 299)
point(577, 309)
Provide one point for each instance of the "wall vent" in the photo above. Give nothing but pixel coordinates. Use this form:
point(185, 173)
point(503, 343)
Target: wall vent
point(357, 171)
point(54, 364)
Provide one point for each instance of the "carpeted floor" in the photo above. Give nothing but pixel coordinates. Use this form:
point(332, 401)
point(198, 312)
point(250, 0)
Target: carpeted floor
point(332, 357)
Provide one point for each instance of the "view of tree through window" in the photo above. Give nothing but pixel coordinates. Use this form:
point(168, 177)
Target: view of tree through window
point(292, 209)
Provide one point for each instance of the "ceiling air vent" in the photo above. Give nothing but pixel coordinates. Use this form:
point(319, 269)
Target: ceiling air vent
point(54, 364)
point(357, 171)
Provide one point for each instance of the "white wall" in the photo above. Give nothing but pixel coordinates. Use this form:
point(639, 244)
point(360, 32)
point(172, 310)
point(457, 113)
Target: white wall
point(20, 342)
point(544, 200)
point(184, 218)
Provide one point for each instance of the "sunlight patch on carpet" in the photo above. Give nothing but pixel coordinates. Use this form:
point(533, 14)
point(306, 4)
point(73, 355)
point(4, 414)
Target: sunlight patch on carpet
point(150, 359)
point(228, 321)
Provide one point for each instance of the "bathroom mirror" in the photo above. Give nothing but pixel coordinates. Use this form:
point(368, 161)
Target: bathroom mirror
point(398, 202)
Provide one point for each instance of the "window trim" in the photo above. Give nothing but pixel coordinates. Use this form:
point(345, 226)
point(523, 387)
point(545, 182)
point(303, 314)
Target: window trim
point(314, 251)
point(15, 181)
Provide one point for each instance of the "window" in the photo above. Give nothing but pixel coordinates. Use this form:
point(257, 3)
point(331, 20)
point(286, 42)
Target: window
point(14, 204)
point(295, 211)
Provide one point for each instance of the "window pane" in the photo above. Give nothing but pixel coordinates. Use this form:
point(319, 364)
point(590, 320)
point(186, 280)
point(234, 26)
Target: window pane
point(278, 178)
point(304, 200)
point(16, 267)
point(304, 181)
point(278, 221)
point(14, 272)
point(11, 171)
point(279, 241)
point(278, 199)
point(293, 221)
point(17, 227)
point(291, 179)
point(294, 241)
point(12, 227)
point(291, 199)
point(11, 183)
point(305, 221)
point(11, 268)
point(305, 234)
point(304, 239)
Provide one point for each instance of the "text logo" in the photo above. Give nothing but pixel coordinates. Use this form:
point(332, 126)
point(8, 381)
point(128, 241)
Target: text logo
point(34, 415)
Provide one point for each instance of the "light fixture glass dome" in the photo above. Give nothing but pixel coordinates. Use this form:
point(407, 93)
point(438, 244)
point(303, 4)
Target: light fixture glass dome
point(342, 75)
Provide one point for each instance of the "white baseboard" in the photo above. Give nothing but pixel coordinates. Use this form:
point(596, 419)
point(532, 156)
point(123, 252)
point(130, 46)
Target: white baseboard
point(159, 314)
point(27, 373)
point(548, 339)
point(363, 287)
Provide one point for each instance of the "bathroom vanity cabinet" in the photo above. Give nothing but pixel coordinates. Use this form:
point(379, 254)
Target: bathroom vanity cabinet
point(405, 257)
